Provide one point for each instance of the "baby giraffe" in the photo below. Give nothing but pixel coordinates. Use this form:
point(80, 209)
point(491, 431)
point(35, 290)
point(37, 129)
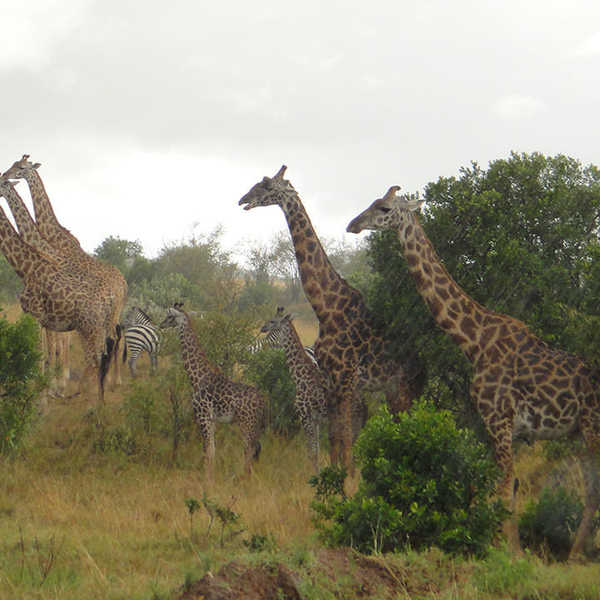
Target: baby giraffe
point(217, 398)
point(521, 386)
point(311, 396)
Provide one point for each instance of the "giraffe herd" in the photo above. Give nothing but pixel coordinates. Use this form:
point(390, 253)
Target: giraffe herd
point(521, 387)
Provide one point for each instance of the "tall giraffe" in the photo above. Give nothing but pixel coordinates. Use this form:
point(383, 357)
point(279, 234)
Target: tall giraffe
point(350, 347)
point(55, 345)
point(521, 387)
point(59, 301)
point(216, 397)
point(108, 279)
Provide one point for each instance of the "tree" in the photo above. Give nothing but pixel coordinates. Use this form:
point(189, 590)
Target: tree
point(521, 238)
point(119, 253)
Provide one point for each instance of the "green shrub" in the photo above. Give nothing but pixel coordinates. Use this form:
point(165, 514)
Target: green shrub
point(268, 371)
point(424, 483)
point(549, 525)
point(20, 380)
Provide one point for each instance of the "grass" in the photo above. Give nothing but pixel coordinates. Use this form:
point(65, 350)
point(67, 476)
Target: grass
point(80, 522)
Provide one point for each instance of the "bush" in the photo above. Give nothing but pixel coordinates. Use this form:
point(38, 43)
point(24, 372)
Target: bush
point(549, 525)
point(424, 483)
point(268, 371)
point(20, 379)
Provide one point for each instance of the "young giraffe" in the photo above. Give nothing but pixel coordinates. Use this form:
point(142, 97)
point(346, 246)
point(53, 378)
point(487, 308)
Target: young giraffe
point(350, 348)
point(55, 345)
point(311, 394)
point(521, 386)
point(108, 280)
point(217, 398)
point(59, 301)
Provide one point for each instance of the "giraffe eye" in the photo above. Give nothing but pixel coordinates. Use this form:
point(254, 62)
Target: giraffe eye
point(384, 209)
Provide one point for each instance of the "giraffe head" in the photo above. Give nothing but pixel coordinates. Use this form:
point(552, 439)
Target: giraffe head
point(175, 317)
point(390, 212)
point(276, 323)
point(21, 168)
point(269, 191)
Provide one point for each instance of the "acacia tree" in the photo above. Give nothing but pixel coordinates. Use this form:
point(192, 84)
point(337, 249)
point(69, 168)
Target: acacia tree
point(520, 238)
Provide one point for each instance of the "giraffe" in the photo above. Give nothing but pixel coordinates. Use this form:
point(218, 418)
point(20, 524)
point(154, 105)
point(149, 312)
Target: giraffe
point(55, 345)
point(311, 395)
point(215, 397)
point(522, 388)
point(108, 280)
point(59, 301)
point(350, 347)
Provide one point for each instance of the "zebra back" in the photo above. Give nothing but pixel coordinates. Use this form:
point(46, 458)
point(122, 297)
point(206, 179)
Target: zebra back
point(273, 340)
point(136, 316)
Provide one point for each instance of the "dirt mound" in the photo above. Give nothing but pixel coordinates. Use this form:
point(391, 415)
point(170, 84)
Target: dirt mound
point(235, 581)
point(344, 573)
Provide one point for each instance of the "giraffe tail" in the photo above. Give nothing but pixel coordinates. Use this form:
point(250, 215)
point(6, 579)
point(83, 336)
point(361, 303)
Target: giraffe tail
point(105, 360)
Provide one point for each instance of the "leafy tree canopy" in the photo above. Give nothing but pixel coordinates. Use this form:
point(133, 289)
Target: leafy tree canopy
point(520, 238)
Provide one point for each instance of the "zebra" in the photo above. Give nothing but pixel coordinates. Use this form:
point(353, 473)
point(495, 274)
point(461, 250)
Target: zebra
point(140, 335)
point(273, 340)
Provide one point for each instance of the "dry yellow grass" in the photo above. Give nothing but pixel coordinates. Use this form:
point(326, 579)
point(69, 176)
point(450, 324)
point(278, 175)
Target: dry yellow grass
point(78, 523)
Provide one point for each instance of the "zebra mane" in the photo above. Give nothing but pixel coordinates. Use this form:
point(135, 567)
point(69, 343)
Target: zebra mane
point(144, 314)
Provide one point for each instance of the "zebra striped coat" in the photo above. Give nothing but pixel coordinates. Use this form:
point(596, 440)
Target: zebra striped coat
point(141, 335)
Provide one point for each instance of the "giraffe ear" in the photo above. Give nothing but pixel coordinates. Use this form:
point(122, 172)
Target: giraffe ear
point(391, 193)
point(280, 173)
point(37, 165)
point(414, 205)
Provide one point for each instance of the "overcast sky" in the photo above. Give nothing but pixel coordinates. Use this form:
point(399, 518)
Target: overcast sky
point(151, 119)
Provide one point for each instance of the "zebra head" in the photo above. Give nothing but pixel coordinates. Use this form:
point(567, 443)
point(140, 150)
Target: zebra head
point(176, 317)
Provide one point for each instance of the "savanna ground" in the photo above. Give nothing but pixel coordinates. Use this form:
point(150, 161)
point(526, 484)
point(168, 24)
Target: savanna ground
point(84, 520)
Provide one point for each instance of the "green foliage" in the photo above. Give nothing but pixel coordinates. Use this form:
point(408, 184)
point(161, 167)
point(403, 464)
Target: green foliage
point(520, 238)
point(549, 525)
point(20, 379)
point(226, 517)
point(119, 253)
point(10, 283)
point(424, 483)
point(268, 371)
point(260, 543)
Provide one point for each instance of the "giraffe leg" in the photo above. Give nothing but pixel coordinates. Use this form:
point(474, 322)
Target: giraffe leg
point(360, 414)
point(207, 432)
point(311, 431)
point(591, 477)
point(92, 351)
point(590, 467)
point(334, 432)
point(507, 490)
point(251, 431)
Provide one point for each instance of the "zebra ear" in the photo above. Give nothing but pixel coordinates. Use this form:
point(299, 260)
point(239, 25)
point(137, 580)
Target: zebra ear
point(280, 311)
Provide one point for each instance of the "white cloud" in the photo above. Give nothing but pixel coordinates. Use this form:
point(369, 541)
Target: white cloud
point(516, 106)
point(590, 46)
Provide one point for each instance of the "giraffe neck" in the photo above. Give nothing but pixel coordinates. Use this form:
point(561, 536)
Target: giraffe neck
point(295, 355)
point(453, 309)
point(319, 278)
point(27, 227)
point(196, 363)
point(48, 225)
point(24, 259)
